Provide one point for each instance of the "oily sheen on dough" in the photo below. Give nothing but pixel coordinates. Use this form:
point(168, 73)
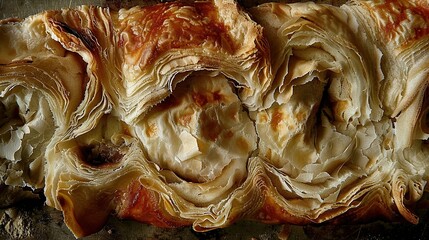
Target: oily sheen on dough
point(203, 113)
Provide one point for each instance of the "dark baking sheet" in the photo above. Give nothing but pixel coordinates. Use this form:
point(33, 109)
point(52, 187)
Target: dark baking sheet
point(31, 219)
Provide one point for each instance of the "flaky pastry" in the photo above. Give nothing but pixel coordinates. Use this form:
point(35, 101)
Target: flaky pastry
point(202, 113)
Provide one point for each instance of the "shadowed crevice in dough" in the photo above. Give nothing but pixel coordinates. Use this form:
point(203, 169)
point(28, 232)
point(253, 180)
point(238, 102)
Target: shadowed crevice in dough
point(85, 35)
point(99, 154)
point(10, 115)
point(102, 147)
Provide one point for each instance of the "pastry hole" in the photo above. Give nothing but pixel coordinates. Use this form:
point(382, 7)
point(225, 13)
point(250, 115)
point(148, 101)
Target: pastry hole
point(100, 154)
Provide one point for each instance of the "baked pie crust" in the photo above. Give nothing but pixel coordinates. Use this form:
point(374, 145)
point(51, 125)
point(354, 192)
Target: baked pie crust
point(202, 113)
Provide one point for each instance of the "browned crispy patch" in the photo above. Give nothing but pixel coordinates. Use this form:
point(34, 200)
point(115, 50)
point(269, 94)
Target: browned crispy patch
point(154, 30)
point(272, 212)
point(399, 11)
point(276, 119)
point(375, 210)
point(151, 130)
point(204, 98)
point(143, 205)
point(185, 117)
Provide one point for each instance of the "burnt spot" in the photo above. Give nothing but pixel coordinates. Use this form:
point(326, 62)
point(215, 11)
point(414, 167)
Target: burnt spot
point(100, 154)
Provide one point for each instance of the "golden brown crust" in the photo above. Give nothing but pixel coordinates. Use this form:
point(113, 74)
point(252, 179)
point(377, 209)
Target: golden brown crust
point(146, 33)
point(141, 204)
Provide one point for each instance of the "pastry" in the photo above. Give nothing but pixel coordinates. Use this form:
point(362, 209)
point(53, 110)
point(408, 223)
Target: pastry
point(204, 113)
